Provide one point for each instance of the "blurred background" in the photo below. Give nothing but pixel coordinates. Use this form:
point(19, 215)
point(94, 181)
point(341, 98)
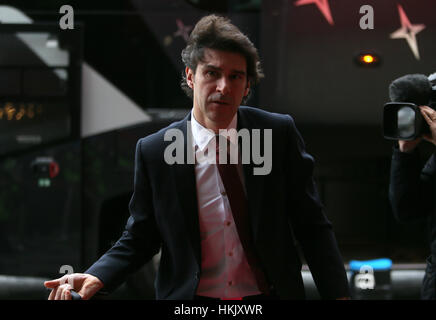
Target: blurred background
point(74, 102)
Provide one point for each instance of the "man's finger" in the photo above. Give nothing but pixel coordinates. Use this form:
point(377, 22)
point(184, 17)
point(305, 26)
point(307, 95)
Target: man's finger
point(52, 294)
point(428, 111)
point(66, 295)
point(427, 108)
point(52, 283)
point(59, 292)
point(426, 116)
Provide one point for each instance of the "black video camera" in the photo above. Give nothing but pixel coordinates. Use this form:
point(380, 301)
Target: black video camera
point(402, 118)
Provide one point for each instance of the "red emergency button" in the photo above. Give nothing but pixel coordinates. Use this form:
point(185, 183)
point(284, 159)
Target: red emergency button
point(53, 169)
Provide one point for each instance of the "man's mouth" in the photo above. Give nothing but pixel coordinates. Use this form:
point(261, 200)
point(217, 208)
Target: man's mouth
point(220, 102)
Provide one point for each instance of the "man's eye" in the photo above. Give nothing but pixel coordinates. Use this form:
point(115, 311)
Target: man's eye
point(236, 76)
point(211, 73)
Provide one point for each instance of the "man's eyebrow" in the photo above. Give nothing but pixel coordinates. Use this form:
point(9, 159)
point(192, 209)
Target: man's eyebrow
point(239, 72)
point(211, 66)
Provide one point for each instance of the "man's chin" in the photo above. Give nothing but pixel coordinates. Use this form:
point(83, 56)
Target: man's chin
point(221, 111)
point(221, 115)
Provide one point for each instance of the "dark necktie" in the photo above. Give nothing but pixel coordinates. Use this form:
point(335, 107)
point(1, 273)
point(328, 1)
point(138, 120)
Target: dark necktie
point(239, 205)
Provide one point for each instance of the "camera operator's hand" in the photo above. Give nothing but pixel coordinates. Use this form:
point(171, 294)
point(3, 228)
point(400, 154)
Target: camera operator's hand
point(430, 117)
point(86, 286)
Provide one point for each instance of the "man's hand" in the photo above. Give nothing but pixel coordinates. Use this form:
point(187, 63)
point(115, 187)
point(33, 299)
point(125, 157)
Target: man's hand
point(430, 117)
point(86, 286)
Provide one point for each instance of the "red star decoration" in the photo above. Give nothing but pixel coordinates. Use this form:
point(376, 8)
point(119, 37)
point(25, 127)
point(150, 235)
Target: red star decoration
point(323, 6)
point(408, 31)
point(183, 31)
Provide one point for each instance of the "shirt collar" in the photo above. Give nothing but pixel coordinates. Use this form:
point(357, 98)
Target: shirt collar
point(202, 136)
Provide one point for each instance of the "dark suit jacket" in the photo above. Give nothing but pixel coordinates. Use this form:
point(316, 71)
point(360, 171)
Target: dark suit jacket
point(411, 189)
point(164, 215)
point(412, 196)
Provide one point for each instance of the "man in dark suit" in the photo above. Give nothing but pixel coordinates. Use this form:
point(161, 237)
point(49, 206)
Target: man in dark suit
point(412, 193)
point(225, 230)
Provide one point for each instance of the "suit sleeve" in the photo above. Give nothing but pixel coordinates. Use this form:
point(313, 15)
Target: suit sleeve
point(410, 188)
point(311, 227)
point(140, 240)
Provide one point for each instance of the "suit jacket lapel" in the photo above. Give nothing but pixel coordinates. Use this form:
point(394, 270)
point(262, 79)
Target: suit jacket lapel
point(184, 175)
point(253, 183)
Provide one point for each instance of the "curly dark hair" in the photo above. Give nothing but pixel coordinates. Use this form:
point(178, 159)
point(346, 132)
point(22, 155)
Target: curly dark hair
point(217, 32)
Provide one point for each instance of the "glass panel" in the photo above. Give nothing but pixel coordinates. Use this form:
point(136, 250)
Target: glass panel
point(46, 47)
point(32, 49)
point(45, 82)
point(9, 82)
point(35, 105)
point(27, 124)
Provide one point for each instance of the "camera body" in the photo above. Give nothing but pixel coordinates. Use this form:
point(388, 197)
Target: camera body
point(402, 118)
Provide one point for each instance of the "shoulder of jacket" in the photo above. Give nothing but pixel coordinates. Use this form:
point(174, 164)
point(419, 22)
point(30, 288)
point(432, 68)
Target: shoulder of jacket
point(269, 119)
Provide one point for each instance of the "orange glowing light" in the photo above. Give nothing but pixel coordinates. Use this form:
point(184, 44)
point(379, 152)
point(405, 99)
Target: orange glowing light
point(368, 58)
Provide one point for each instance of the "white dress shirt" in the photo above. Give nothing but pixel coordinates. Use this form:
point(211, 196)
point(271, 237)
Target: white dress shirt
point(225, 272)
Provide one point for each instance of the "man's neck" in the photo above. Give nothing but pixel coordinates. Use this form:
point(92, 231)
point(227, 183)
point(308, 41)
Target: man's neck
point(206, 123)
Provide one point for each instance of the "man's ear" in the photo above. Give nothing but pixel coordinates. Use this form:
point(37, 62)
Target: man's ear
point(189, 77)
point(247, 89)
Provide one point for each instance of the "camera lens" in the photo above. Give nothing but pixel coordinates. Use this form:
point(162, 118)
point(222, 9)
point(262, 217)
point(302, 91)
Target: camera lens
point(406, 122)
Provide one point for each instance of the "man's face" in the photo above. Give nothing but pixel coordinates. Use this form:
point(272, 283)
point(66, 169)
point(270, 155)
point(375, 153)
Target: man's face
point(218, 84)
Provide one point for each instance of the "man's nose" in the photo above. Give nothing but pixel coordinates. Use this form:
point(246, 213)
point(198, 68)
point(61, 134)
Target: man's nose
point(223, 85)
